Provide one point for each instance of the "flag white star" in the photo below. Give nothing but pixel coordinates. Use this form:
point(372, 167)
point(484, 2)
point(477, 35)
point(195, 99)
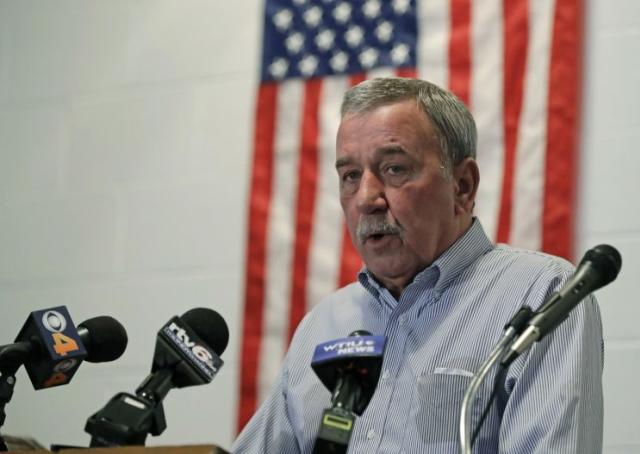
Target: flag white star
point(371, 8)
point(282, 19)
point(399, 53)
point(339, 61)
point(308, 65)
point(313, 16)
point(324, 39)
point(369, 57)
point(278, 68)
point(384, 31)
point(299, 2)
point(342, 13)
point(294, 42)
point(354, 36)
point(401, 6)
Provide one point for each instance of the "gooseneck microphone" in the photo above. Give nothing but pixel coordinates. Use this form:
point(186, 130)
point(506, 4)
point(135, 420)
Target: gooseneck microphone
point(187, 353)
point(350, 368)
point(599, 266)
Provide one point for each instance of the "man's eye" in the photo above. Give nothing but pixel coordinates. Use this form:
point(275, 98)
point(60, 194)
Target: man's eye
point(350, 176)
point(395, 170)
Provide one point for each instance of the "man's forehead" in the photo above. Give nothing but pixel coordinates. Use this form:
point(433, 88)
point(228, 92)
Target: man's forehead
point(389, 150)
point(400, 128)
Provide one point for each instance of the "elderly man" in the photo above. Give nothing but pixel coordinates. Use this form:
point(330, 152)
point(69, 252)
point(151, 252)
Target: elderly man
point(441, 292)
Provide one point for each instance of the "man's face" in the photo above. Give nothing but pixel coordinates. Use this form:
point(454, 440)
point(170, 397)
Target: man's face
point(399, 201)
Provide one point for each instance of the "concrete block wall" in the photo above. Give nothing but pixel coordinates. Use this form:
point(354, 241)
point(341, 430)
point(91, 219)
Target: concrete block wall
point(125, 131)
point(608, 211)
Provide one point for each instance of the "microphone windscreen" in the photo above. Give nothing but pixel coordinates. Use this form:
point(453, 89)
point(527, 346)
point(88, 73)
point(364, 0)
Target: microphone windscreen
point(607, 260)
point(106, 339)
point(209, 326)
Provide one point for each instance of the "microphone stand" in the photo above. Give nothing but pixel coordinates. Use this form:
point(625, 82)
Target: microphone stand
point(11, 358)
point(472, 390)
point(128, 419)
point(7, 383)
point(512, 329)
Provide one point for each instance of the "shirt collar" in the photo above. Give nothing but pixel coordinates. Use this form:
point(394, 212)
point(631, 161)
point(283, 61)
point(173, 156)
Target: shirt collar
point(446, 268)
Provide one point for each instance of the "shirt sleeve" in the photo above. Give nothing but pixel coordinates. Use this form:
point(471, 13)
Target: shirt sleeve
point(555, 392)
point(270, 429)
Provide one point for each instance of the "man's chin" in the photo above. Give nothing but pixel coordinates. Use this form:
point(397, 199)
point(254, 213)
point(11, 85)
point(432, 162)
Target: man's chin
point(390, 265)
point(392, 276)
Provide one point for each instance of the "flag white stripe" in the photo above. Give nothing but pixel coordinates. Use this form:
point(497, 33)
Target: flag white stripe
point(326, 237)
point(526, 215)
point(280, 232)
point(381, 72)
point(433, 41)
point(487, 45)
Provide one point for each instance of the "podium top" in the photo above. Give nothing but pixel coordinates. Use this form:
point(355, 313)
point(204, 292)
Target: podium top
point(189, 449)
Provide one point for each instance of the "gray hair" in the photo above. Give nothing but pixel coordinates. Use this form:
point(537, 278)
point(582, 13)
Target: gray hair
point(454, 124)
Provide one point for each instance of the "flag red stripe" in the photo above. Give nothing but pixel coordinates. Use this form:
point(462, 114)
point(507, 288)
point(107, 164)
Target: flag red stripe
point(350, 262)
point(460, 50)
point(407, 72)
point(516, 30)
point(259, 203)
point(562, 129)
point(307, 183)
point(355, 79)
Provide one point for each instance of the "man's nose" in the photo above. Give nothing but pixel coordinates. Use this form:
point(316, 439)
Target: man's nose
point(371, 195)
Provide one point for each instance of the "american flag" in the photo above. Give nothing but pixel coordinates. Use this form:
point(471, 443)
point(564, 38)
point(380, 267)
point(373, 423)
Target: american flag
point(515, 63)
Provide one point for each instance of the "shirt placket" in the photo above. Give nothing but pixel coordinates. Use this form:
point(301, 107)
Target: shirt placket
point(402, 379)
point(390, 399)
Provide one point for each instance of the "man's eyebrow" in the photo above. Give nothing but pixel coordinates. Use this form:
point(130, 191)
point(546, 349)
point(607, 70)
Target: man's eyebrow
point(341, 162)
point(383, 152)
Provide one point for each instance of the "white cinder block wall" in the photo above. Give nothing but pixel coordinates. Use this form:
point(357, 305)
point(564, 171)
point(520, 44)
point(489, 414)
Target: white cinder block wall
point(125, 131)
point(608, 211)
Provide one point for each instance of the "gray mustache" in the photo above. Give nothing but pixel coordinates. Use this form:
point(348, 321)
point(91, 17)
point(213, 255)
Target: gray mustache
point(375, 226)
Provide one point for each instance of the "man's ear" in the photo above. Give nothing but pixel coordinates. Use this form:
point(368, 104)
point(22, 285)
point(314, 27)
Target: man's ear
point(466, 177)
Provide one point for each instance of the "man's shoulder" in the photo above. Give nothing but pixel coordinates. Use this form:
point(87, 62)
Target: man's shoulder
point(335, 315)
point(342, 302)
point(353, 293)
point(520, 275)
point(519, 258)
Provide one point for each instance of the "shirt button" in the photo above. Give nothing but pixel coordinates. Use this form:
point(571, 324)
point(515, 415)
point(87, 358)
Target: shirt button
point(402, 319)
point(371, 434)
point(385, 374)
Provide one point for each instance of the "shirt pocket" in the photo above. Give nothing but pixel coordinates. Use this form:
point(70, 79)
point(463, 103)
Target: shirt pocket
point(439, 397)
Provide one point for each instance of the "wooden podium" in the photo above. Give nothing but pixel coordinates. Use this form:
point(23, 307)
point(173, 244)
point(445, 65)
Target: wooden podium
point(187, 449)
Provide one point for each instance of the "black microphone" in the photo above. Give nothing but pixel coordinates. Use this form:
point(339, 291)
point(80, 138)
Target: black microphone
point(104, 338)
point(349, 368)
point(51, 348)
point(599, 266)
point(187, 353)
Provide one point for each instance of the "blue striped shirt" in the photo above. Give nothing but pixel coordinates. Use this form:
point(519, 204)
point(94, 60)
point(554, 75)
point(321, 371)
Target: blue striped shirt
point(439, 332)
